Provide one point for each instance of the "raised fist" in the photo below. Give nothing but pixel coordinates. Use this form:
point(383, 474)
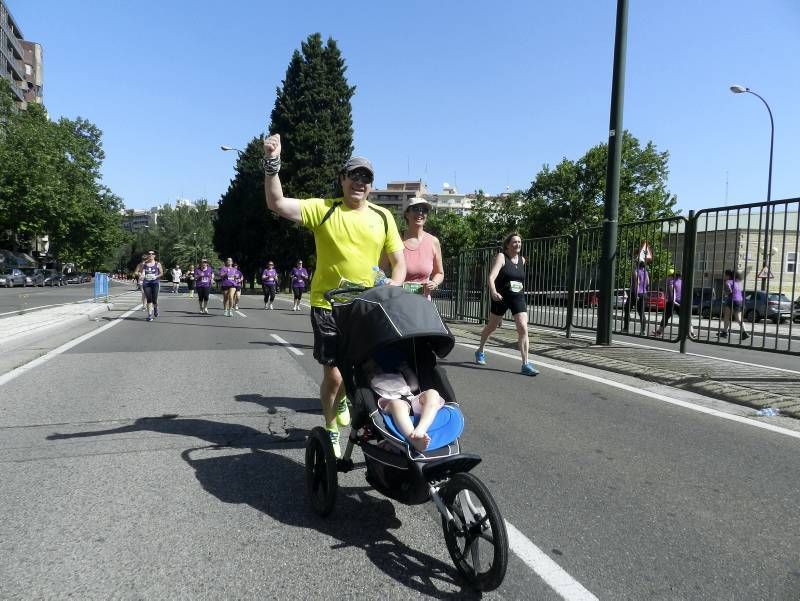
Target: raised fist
point(272, 146)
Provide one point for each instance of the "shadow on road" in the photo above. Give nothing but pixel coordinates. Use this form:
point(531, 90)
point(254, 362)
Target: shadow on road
point(275, 485)
point(220, 434)
point(237, 468)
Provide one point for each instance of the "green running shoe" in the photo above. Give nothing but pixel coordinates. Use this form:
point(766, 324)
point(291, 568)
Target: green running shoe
point(343, 413)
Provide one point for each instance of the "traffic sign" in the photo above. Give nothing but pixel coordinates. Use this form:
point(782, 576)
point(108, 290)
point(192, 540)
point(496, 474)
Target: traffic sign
point(645, 252)
point(765, 273)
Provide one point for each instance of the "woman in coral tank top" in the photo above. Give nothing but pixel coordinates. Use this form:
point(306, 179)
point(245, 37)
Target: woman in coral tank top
point(422, 251)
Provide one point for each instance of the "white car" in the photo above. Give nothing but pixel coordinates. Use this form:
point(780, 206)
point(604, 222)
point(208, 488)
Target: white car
point(620, 298)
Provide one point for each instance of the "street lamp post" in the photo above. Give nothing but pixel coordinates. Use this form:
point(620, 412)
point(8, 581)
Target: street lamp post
point(737, 89)
point(226, 148)
point(194, 238)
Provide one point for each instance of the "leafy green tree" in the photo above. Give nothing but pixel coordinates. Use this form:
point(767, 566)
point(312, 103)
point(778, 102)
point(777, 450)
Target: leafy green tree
point(570, 197)
point(50, 185)
point(313, 115)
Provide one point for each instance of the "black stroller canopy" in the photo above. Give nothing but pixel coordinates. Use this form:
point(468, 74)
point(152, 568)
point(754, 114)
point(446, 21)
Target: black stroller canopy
point(387, 314)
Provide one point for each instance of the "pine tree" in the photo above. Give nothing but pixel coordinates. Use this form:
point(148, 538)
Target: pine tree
point(313, 115)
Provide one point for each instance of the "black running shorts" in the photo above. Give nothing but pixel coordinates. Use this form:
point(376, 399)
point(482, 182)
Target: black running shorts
point(326, 336)
point(512, 301)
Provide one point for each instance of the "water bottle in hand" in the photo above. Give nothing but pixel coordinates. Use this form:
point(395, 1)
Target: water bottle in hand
point(380, 276)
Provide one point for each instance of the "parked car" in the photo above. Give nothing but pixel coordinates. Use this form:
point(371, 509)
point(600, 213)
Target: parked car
point(620, 298)
point(711, 308)
point(12, 277)
point(774, 306)
point(33, 277)
point(655, 300)
point(79, 278)
point(701, 297)
point(54, 278)
point(796, 311)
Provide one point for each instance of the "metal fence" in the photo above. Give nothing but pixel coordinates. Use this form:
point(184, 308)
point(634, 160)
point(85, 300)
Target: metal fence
point(757, 241)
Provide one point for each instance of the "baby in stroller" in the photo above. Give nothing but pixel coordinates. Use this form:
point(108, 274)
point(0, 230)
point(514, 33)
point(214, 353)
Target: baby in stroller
point(412, 412)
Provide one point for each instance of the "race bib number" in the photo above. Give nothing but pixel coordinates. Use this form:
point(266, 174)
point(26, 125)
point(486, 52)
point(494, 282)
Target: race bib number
point(149, 277)
point(516, 286)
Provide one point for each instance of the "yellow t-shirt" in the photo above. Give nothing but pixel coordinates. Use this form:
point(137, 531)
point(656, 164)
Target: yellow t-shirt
point(349, 243)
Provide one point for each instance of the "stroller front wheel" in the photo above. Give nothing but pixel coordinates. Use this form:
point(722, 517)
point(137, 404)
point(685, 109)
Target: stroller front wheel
point(476, 537)
point(321, 474)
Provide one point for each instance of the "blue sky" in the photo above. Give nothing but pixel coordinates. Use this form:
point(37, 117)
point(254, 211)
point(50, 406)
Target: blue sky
point(473, 93)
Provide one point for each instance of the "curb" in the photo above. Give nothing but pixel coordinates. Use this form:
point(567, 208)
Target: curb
point(685, 372)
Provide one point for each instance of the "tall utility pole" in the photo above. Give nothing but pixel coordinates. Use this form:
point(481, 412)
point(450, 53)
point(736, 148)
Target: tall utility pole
point(611, 210)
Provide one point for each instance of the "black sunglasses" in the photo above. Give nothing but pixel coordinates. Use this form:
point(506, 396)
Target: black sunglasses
point(360, 177)
point(420, 209)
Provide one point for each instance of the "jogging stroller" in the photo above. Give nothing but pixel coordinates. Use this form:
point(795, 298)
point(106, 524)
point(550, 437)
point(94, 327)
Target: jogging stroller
point(370, 320)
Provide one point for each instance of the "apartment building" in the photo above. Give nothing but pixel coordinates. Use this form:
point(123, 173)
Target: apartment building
point(397, 195)
point(20, 61)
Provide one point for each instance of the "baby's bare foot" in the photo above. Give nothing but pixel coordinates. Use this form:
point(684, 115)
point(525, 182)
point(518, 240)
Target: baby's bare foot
point(419, 441)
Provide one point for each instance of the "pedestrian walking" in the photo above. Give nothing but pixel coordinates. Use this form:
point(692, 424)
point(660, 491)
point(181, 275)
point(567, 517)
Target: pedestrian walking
point(732, 303)
point(176, 274)
point(190, 280)
point(350, 233)
point(640, 284)
point(269, 284)
point(506, 287)
point(204, 276)
point(299, 278)
point(674, 293)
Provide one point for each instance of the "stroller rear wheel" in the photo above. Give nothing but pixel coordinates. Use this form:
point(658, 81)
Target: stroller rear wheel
point(321, 476)
point(476, 538)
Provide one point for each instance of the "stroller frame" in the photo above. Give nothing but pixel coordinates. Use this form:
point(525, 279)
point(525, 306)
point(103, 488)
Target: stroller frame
point(471, 520)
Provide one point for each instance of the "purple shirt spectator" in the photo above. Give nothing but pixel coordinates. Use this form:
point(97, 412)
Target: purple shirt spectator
point(299, 277)
point(733, 291)
point(674, 289)
point(640, 280)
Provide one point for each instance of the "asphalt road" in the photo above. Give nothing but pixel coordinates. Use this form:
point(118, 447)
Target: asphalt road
point(164, 460)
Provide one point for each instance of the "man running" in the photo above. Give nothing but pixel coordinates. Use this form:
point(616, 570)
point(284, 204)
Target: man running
point(176, 278)
point(239, 278)
point(299, 277)
point(350, 233)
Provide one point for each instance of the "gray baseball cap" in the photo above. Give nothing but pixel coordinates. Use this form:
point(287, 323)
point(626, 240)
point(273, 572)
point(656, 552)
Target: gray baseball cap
point(358, 163)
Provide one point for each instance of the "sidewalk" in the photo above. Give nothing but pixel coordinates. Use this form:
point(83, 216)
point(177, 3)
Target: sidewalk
point(742, 384)
point(44, 322)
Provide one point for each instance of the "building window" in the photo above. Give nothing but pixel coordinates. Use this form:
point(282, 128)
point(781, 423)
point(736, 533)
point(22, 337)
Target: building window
point(791, 262)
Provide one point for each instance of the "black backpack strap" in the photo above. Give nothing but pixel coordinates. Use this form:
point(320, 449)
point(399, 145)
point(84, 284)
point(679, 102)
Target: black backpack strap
point(330, 211)
point(385, 223)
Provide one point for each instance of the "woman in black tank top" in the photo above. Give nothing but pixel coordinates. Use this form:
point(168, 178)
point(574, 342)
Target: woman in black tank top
point(506, 288)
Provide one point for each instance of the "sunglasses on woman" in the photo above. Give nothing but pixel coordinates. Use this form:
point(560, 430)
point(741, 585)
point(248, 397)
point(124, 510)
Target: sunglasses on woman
point(420, 209)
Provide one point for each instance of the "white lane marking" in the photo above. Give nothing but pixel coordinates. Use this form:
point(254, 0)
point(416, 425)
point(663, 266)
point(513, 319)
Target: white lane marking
point(289, 346)
point(547, 569)
point(239, 313)
point(6, 378)
point(669, 350)
point(653, 395)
